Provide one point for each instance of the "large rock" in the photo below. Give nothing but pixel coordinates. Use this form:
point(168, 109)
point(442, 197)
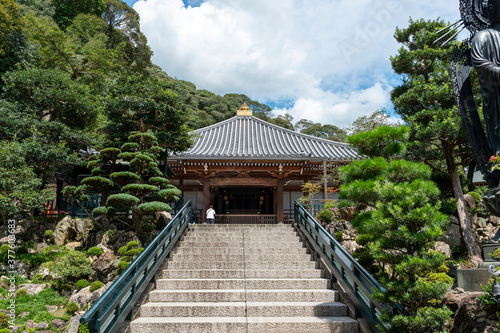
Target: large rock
point(65, 231)
point(452, 236)
point(470, 201)
point(443, 247)
point(162, 219)
point(72, 229)
point(58, 323)
point(32, 289)
point(470, 314)
point(347, 213)
point(105, 265)
point(81, 297)
point(84, 296)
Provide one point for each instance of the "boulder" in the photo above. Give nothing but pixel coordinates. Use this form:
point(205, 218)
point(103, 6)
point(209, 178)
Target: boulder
point(4, 240)
point(480, 222)
point(72, 229)
point(442, 247)
point(470, 314)
point(14, 329)
point(83, 228)
point(81, 297)
point(65, 231)
point(347, 213)
point(74, 324)
point(42, 326)
point(105, 265)
point(40, 247)
point(99, 292)
point(58, 323)
point(32, 289)
point(30, 324)
point(452, 236)
point(73, 245)
point(470, 201)
point(162, 219)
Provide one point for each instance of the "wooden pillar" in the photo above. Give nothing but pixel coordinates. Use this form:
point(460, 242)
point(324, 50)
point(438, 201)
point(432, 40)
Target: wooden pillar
point(206, 197)
point(325, 182)
point(279, 198)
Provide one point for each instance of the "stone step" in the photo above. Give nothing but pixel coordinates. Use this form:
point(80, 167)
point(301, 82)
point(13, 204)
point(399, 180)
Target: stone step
point(189, 284)
point(222, 233)
point(240, 295)
point(239, 226)
point(253, 244)
point(239, 309)
point(241, 274)
point(244, 325)
point(241, 257)
point(241, 250)
point(240, 237)
point(303, 264)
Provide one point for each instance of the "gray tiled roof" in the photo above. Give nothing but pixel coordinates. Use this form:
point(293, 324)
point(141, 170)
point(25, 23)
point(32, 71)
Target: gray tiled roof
point(247, 137)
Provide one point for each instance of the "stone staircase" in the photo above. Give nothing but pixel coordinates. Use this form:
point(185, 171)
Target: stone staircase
point(242, 278)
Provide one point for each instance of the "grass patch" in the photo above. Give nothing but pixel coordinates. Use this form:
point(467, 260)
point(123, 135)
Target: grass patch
point(36, 306)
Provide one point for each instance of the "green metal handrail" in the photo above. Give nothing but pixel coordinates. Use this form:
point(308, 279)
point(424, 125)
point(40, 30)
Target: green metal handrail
point(116, 304)
point(347, 272)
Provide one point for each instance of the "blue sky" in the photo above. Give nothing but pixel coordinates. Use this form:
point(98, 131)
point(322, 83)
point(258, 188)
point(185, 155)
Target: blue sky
point(323, 60)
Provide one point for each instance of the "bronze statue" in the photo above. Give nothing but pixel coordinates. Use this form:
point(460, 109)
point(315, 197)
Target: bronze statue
point(485, 55)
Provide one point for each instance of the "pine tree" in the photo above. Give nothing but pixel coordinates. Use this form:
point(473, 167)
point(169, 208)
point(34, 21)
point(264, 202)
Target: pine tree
point(399, 227)
point(425, 101)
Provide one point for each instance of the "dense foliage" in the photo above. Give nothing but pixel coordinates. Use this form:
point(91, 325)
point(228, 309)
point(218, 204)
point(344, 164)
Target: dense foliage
point(426, 102)
point(398, 224)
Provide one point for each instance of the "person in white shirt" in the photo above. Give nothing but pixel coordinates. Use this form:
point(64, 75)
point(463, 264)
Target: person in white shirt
point(210, 215)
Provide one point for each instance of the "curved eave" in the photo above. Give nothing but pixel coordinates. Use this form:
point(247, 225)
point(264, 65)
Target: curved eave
point(247, 137)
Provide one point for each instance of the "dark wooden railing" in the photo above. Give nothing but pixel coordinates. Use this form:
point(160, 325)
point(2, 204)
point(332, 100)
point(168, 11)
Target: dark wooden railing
point(246, 219)
point(116, 304)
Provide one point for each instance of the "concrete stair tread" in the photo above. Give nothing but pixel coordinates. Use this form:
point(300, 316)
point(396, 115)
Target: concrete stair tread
point(252, 279)
point(154, 320)
point(204, 304)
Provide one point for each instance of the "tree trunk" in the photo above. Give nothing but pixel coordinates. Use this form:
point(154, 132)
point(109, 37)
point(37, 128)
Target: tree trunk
point(471, 246)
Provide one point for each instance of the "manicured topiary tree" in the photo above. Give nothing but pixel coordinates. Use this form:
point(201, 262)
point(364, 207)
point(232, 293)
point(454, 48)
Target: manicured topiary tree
point(398, 229)
point(139, 191)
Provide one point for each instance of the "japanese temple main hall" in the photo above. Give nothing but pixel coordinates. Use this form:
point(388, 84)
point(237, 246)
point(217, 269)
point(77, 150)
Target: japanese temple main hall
point(248, 168)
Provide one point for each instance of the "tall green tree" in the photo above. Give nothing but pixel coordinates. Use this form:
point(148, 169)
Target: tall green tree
point(52, 95)
point(368, 123)
point(425, 101)
point(21, 191)
point(15, 47)
point(139, 103)
point(123, 28)
point(67, 10)
point(402, 225)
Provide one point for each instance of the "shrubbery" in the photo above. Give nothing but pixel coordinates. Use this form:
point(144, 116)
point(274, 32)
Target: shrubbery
point(72, 308)
point(96, 285)
point(94, 251)
point(73, 266)
point(80, 284)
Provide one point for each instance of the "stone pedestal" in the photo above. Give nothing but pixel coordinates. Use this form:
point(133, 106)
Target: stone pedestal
point(471, 279)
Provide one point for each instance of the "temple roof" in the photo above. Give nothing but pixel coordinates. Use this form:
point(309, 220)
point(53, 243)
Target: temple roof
point(248, 137)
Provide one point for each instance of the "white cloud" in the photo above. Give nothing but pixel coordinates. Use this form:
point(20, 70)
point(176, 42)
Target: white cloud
point(329, 56)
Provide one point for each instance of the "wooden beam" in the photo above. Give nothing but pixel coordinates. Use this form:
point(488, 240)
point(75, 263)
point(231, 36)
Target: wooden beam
point(243, 182)
point(206, 197)
point(279, 199)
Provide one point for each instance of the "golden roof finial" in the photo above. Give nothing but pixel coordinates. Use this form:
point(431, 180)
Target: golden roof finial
point(244, 110)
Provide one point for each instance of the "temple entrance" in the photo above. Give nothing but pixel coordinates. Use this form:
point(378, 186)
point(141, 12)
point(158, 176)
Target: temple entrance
point(244, 200)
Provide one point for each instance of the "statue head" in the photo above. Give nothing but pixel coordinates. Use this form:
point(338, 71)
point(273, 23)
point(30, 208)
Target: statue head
point(494, 10)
